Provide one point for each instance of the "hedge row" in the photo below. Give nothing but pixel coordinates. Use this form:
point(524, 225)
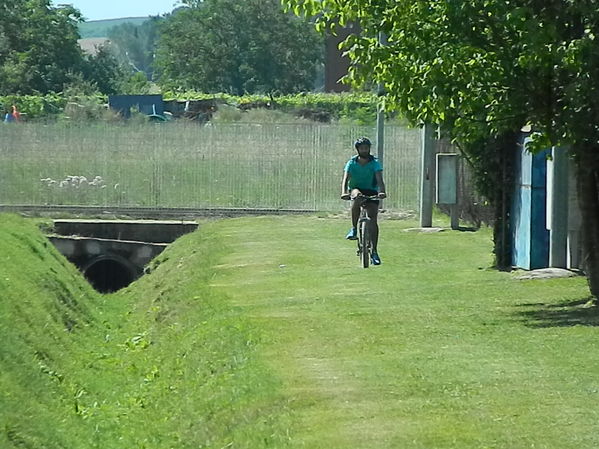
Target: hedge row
point(350, 105)
point(34, 106)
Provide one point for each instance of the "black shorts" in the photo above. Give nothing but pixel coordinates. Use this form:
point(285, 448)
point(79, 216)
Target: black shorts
point(369, 192)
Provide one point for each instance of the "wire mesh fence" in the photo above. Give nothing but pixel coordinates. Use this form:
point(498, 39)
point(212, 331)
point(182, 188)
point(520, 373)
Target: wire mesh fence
point(275, 166)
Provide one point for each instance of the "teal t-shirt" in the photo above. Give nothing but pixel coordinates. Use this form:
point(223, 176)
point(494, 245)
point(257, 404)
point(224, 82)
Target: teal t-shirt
point(363, 176)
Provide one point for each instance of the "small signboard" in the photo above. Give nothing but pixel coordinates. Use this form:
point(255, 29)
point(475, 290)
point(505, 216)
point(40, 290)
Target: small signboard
point(447, 178)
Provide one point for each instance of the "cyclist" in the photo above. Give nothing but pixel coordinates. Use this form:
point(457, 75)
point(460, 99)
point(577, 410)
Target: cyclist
point(363, 174)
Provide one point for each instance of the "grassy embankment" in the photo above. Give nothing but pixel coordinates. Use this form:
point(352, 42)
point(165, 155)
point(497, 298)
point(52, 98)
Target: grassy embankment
point(264, 332)
point(165, 364)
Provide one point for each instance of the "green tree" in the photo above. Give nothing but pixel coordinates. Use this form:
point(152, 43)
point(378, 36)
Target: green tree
point(105, 71)
point(237, 46)
point(38, 46)
point(136, 84)
point(483, 69)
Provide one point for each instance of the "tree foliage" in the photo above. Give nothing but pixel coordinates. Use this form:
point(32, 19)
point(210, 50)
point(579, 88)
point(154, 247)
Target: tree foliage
point(484, 68)
point(237, 46)
point(104, 70)
point(38, 46)
point(136, 44)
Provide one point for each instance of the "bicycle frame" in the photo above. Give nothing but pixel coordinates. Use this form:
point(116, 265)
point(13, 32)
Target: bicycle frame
point(365, 245)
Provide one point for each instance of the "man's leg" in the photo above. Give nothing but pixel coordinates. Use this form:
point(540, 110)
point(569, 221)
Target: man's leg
point(355, 215)
point(373, 213)
point(355, 208)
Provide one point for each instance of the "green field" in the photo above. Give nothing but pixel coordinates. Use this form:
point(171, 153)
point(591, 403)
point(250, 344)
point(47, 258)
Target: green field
point(100, 28)
point(187, 165)
point(264, 332)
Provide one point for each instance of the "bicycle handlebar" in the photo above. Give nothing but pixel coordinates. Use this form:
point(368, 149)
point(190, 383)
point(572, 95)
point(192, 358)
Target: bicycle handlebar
point(363, 197)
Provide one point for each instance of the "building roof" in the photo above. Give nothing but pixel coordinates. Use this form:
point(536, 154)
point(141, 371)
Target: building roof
point(90, 45)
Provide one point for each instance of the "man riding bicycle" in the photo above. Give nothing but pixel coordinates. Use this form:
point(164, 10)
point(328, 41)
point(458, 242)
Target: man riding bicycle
point(363, 175)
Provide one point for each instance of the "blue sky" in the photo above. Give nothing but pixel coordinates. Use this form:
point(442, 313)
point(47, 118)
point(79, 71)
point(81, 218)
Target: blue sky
point(112, 9)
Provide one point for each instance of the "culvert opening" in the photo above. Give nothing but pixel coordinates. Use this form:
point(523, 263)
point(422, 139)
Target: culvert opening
point(109, 275)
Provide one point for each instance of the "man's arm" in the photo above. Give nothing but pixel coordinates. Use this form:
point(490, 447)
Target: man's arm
point(381, 184)
point(344, 181)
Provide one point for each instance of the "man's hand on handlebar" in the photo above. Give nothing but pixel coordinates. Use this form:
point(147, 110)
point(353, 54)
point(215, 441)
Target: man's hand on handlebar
point(347, 196)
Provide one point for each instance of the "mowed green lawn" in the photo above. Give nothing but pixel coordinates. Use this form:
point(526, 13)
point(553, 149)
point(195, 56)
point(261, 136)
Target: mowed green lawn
point(432, 349)
point(266, 333)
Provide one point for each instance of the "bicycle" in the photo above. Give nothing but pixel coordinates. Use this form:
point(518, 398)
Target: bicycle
point(365, 244)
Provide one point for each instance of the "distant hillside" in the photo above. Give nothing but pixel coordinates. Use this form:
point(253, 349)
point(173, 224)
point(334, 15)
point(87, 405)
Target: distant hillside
point(99, 28)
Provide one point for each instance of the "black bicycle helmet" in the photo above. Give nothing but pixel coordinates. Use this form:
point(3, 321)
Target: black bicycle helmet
point(362, 141)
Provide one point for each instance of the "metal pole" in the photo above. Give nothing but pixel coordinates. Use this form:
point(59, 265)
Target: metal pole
point(380, 116)
point(380, 130)
point(427, 174)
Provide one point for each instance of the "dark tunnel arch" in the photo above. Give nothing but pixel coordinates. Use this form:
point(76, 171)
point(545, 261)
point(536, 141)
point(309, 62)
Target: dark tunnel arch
point(109, 273)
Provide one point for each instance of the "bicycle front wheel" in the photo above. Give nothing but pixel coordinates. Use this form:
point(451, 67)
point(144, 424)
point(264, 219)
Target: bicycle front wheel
point(365, 243)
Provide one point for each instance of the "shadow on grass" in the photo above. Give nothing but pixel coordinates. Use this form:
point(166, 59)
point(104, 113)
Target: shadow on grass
point(466, 229)
point(582, 312)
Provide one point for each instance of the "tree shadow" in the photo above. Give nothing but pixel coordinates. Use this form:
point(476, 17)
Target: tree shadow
point(581, 312)
point(466, 229)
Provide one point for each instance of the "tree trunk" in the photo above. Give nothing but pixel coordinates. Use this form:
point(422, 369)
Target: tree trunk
point(492, 161)
point(504, 188)
point(587, 167)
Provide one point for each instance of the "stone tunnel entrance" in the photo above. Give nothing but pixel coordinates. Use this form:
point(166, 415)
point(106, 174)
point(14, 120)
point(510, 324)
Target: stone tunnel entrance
point(108, 274)
point(113, 253)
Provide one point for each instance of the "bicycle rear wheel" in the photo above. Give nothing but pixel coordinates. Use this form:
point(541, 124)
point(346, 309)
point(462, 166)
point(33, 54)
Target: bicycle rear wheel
point(365, 246)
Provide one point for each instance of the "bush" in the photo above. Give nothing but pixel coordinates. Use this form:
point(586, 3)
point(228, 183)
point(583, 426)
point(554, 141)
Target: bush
point(81, 101)
point(227, 114)
point(35, 106)
point(357, 108)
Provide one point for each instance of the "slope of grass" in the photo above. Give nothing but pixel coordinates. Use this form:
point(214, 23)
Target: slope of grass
point(264, 332)
point(163, 364)
point(45, 309)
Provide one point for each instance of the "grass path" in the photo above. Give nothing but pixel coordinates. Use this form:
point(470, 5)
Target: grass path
point(429, 350)
point(265, 333)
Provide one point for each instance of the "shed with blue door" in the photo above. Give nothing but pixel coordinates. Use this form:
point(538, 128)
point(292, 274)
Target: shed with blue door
point(150, 105)
point(530, 237)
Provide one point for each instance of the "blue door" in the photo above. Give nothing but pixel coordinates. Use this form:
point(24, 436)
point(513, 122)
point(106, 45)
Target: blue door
point(530, 237)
